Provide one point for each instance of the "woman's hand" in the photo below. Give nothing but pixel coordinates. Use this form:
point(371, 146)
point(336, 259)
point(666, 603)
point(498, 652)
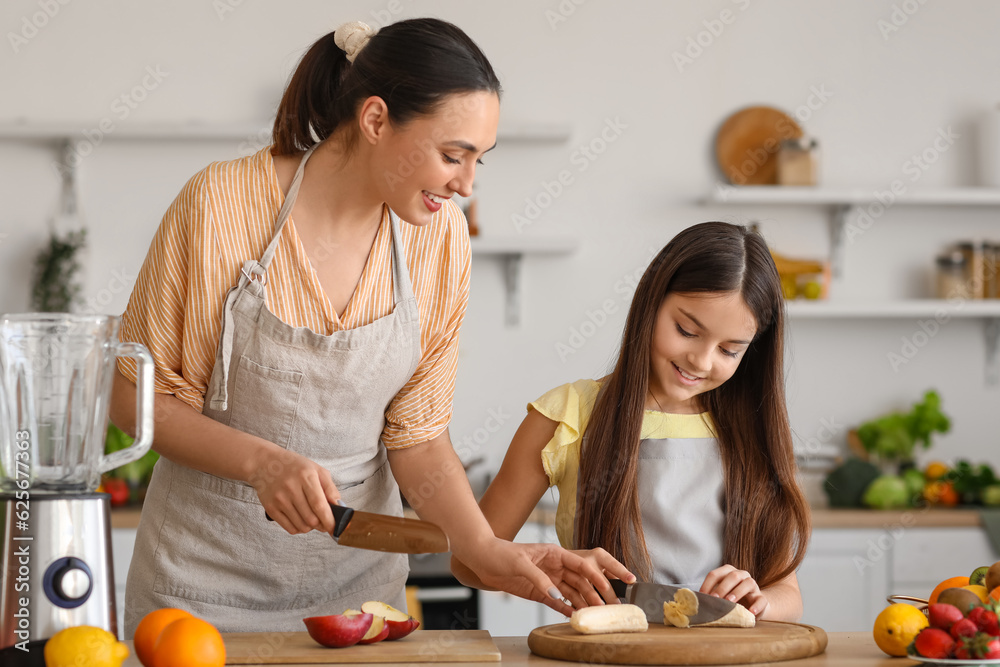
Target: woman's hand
point(295, 491)
point(736, 586)
point(531, 571)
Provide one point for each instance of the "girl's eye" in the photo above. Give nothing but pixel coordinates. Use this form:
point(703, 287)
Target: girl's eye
point(684, 333)
point(728, 353)
point(480, 162)
point(450, 160)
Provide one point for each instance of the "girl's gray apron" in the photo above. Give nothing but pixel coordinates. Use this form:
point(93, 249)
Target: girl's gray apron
point(682, 504)
point(203, 543)
point(682, 500)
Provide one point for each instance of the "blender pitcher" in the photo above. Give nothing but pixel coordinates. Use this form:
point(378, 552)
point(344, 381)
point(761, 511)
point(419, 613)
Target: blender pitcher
point(56, 372)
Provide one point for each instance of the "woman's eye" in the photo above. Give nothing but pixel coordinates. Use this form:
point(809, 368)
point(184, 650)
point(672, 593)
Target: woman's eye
point(480, 162)
point(450, 160)
point(684, 333)
point(728, 353)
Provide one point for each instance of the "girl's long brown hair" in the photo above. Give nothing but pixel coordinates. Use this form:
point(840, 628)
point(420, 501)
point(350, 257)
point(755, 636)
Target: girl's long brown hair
point(767, 521)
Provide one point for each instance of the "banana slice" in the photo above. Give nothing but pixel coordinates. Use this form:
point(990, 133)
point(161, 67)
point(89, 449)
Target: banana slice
point(609, 618)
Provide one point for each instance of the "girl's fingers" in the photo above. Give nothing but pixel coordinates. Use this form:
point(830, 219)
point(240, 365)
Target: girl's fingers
point(598, 580)
point(317, 495)
point(742, 589)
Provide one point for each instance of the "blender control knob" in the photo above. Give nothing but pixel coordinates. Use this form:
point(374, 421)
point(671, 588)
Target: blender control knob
point(68, 582)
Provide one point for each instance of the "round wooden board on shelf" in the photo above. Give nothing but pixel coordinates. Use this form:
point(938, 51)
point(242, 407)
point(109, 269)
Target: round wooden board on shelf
point(747, 143)
point(769, 641)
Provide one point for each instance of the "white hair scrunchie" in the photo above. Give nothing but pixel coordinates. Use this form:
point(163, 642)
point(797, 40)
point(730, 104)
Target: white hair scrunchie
point(352, 37)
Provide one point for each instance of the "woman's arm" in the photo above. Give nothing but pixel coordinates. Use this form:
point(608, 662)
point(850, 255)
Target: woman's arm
point(432, 479)
point(295, 491)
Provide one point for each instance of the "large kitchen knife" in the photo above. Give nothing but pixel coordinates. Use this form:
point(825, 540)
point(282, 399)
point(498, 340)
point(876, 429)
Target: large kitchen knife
point(650, 598)
point(381, 532)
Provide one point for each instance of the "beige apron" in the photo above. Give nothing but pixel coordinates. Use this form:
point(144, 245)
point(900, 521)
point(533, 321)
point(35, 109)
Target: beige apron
point(203, 543)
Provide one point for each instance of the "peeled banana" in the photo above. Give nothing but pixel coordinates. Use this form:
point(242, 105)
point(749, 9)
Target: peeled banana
point(678, 612)
point(609, 618)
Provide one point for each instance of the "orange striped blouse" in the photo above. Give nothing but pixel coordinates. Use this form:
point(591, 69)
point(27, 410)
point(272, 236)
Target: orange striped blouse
point(225, 215)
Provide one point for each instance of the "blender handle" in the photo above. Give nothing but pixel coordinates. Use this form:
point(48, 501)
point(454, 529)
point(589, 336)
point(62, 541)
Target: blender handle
point(143, 408)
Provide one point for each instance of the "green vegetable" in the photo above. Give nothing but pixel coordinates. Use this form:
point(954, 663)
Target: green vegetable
point(991, 495)
point(886, 493)
point(970, 481)
point(845, 486)
point(893, 437)
point(915, 481)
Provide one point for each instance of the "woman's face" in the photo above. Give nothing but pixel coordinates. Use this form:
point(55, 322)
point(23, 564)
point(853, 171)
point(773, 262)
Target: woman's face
point(430, 158)
point(698, 342)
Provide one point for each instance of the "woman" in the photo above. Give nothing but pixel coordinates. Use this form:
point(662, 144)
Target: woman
point(298, 325)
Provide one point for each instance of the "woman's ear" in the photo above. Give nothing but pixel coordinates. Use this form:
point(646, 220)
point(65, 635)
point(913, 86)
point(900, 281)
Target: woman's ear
point(373, 119)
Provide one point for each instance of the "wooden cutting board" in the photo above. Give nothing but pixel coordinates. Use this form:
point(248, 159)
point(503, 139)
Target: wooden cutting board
point(769, 641)
point(268, 648)
point(747, 143)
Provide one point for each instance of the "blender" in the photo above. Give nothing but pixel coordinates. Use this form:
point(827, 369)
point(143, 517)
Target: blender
point(56, 373)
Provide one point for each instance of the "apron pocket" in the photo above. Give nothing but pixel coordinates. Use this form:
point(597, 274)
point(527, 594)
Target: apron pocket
point(221, 551)
point(255, 385)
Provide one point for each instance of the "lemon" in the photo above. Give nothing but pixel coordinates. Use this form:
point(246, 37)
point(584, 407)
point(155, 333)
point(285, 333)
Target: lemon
point(84, 646)
point(896, 626)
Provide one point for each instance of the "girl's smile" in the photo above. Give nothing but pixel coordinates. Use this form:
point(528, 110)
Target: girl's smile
point(698, 342)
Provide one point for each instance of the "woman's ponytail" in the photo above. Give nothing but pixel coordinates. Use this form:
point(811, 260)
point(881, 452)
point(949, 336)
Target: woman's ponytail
point(413, 65)
point(307, 111)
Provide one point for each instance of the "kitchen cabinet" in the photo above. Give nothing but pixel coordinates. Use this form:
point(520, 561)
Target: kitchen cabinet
point(848, 573)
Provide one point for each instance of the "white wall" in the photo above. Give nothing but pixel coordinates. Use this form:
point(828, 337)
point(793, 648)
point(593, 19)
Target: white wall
point(888, 95)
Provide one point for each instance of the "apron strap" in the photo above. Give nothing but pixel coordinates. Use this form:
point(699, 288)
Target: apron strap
point(253, 276)
point(401, 285)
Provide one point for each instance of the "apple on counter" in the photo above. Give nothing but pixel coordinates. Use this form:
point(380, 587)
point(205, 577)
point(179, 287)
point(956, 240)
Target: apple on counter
point(399, 623)
point(375, 622)
point(339, 630)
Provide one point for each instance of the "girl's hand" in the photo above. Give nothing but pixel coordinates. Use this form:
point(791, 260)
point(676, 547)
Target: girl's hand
point(532, 571)
point(295, 491)
point(736, 586)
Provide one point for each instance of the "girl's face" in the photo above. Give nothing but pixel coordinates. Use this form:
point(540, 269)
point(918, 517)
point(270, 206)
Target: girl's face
point(698, 342)
point(429, 159)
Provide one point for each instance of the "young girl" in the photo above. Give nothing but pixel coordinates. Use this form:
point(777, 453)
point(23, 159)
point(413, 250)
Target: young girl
point(679, 463)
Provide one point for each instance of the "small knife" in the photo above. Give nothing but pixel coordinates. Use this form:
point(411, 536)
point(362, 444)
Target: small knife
point(650, 598)
point(381, 532)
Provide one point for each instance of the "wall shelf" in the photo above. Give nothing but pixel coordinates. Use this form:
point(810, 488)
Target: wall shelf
point(905, 308)
point(239, 131)
point(847, 203)
point(511, 250)
point(940, 310)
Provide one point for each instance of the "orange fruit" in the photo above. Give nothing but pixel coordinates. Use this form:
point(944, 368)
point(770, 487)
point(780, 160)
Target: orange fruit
point(935, 470)
point(149, 629)
point(995, 594)
point(896, 626)
point(941, 493)
point(189, 642)
point(953, 582)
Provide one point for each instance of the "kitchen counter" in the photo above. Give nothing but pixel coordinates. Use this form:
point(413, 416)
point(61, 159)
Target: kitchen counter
point(821, 517)
point(845, 649)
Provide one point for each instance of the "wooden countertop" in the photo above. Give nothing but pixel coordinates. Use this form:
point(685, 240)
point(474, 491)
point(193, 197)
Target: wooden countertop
point(821, 517)
point(845, 649)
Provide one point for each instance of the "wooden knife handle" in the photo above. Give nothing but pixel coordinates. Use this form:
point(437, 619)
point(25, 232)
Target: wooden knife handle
point(341, 518)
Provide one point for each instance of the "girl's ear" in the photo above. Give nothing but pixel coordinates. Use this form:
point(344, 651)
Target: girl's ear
point(373, 119)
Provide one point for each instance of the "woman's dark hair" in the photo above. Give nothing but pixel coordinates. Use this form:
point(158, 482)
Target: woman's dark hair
point(412, 65)
point(767, 519)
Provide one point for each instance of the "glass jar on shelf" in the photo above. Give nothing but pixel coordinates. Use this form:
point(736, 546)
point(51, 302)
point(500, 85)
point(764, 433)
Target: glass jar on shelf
point(952, 276)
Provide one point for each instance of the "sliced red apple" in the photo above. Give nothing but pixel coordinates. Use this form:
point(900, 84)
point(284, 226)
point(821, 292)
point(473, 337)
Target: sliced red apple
point(339, 630)
point(378, 631)
point(399, 622)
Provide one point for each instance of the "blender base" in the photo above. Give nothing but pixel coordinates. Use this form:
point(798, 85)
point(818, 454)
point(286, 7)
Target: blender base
point(33, 657)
